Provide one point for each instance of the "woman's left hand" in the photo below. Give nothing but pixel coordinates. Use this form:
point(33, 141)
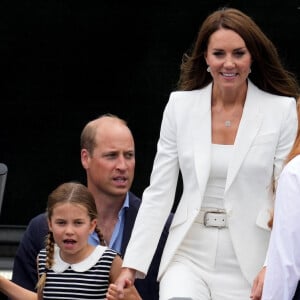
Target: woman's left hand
point(258, 283)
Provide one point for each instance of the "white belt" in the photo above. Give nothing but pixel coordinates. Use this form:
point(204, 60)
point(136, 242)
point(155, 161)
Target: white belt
point(212, 217)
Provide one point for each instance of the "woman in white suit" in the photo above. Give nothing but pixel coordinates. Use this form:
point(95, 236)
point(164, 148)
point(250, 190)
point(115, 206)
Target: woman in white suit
point(228, 129)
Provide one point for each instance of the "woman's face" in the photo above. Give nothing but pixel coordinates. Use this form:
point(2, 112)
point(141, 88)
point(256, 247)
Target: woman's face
point(228, 58)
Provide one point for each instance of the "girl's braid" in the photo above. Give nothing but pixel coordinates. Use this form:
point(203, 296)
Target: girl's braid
point(49, 260)
point(100, 236)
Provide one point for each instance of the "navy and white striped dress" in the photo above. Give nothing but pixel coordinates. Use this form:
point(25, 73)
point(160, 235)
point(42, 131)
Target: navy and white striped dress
point(86, 280)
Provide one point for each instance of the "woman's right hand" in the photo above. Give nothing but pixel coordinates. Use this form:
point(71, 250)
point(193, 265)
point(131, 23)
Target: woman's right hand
point(125, 279)
point(130, 292)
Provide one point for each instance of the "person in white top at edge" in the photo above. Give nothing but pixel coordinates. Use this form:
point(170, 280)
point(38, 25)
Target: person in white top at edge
point(228, 129)
point(283, 269)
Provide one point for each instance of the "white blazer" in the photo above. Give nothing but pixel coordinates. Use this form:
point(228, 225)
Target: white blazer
point(266, 133)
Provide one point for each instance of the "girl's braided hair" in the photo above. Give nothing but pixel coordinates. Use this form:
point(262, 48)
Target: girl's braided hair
point(70, 192)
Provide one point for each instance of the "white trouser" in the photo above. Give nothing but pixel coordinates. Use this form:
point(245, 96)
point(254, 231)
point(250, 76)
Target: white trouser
point(205, 267)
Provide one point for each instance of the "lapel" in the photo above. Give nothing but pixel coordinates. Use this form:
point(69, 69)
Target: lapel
point(201, 128)
point(250, 123)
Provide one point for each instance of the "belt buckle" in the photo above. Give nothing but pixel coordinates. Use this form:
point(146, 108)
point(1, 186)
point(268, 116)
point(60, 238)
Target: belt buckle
point(219, 223)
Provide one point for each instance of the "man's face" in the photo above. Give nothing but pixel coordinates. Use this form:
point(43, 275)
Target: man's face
point(111, 165)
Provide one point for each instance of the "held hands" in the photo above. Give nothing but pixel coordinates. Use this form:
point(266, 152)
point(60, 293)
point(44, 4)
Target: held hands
point(112, 292)
point(130, 293)
point(257, 287)
point(124, 280)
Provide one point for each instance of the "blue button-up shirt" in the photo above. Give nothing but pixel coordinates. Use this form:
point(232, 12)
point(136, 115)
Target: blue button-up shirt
point(117, 235)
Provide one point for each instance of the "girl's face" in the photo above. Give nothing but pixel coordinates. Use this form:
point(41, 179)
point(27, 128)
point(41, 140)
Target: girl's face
point(228, 58)
point(71, 227)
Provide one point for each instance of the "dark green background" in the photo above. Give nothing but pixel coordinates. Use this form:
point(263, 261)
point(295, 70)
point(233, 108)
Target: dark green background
point(63, 63)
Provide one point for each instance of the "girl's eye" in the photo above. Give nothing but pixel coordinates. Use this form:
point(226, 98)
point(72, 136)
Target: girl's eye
point(60, 222)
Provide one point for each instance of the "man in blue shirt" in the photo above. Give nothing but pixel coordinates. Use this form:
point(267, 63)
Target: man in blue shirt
point(108, 156)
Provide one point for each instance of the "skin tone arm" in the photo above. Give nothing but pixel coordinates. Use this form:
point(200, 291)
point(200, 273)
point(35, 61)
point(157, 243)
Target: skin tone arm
point(257, 287)
point(129, 292)
point(112, 293)
point(14, 291)
point(126, 275)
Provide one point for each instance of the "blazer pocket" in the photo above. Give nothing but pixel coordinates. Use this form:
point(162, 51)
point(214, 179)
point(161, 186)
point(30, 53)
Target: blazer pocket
point(263, 218)
point(180, 217)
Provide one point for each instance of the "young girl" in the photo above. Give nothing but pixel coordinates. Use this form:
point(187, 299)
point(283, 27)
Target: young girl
point(69, 267)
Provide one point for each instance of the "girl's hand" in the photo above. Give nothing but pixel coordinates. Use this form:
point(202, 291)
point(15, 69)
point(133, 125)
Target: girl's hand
point(130, 292)
point(112, 292)
point(124, 280)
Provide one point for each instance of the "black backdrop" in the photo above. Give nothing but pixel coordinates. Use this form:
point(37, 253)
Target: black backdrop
point(66, 62)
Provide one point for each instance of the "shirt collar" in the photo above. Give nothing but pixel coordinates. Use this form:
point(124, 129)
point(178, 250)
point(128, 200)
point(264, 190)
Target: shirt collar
point(60, 265)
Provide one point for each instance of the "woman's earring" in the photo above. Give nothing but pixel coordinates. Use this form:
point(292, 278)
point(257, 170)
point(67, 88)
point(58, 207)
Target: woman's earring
point(250, 71)
point(208, 69)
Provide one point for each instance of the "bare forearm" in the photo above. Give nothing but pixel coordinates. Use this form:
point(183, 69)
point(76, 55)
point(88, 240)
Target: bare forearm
point(130, 292)
point(125, 279)
point(14, 291)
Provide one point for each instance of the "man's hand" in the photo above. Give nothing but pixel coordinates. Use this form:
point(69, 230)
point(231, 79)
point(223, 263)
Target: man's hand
point(258, 283)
